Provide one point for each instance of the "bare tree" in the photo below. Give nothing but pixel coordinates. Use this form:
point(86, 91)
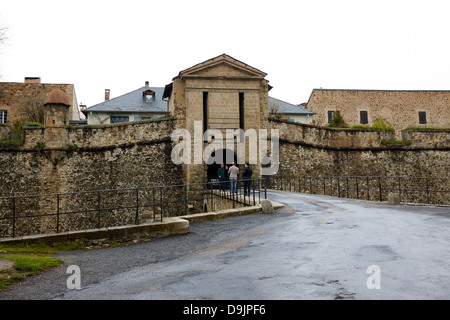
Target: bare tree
point(3, 37)
point(32, 108)
point(275, 110)
point(3, 30)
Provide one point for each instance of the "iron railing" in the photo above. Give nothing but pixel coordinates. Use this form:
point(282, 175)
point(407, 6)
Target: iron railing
point(63, 212)
point(425, 190)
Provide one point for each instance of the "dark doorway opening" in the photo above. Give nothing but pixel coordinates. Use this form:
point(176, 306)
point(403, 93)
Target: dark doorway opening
point(222, 156)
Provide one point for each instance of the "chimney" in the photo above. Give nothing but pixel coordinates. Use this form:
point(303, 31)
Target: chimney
point(32, 80)
point(107, 94)
point(147, 83)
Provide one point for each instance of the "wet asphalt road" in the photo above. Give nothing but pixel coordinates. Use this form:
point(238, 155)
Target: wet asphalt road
point(315, 248)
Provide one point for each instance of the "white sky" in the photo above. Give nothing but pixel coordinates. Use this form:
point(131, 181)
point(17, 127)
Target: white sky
point(301, 45)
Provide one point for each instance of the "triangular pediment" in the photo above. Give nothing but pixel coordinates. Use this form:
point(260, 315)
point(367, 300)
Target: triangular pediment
point(222, 66)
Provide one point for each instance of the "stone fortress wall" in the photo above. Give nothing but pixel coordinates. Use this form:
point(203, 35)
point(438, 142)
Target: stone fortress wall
point(131, 155)
point(59, 158)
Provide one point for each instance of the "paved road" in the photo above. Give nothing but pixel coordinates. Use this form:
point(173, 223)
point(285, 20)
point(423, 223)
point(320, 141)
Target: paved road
point(316, 248)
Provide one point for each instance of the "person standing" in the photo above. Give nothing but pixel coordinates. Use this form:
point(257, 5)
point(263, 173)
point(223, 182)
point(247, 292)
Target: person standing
point(233, 173)
point(227, 177)
point(221, 174)
point(247, 176)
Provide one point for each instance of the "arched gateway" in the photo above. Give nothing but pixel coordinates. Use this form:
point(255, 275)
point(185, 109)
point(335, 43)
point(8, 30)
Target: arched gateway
point(218, 157)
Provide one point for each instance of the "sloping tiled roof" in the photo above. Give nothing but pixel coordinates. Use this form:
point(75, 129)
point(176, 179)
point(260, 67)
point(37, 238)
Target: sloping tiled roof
point(288, 108)
point(133, 102)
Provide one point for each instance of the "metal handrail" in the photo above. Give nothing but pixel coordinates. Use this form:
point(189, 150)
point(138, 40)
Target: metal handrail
point(367, 187)
point(184, 194)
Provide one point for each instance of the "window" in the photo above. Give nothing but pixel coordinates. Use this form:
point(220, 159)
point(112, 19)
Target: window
point(364, 119)
point(205, 111)
point(119, 119)
point(330, 116)
point(149, 96)
point(422, 117)
point(3, 116)
point(241, 111)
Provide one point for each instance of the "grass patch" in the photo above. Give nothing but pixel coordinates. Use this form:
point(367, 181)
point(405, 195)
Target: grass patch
point(32, 124)
point(32, 263)
point(379, 124)
point(390, 142)
point(8, 278)
point(427, 128)
point(16, 142)
point(35, 248)
point(29, 259)
point(74, 245)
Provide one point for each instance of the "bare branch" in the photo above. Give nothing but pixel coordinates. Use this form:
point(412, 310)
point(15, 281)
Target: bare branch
point(3, 31)
point(275, 109)
point(32, 108)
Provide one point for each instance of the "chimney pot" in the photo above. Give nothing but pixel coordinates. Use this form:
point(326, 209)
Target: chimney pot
point(147, 83)
point(107, 91)
point(32, 80)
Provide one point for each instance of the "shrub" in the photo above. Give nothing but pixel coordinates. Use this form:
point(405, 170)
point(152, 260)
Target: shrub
point(337, 121)
point(380, 124)
point(40, 145)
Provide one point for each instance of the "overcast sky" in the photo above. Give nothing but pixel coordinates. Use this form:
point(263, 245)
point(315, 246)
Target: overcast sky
point(301, 45)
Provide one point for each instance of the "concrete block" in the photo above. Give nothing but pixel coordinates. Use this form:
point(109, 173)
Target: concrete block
point(180, 226)
point(393, 198)
point(266, 206)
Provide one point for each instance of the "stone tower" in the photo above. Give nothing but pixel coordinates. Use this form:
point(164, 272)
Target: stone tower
point(56, 119)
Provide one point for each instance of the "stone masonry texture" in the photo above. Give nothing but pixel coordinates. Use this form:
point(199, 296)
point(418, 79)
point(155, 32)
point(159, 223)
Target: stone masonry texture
point(398, 108)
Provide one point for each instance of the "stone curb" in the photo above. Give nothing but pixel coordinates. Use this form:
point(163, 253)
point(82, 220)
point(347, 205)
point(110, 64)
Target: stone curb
point(147, 231)
point(170, 226)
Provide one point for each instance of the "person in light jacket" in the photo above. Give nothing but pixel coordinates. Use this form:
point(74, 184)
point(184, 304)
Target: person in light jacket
point(233, 173)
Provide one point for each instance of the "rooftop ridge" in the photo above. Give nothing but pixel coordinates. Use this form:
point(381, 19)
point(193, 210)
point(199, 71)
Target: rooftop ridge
point(385, 90)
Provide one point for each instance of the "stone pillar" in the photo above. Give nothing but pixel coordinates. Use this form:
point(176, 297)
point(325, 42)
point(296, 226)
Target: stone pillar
point(56, 120)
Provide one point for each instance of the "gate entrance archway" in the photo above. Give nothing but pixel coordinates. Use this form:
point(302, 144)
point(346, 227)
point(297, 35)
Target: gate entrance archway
point(220, 156)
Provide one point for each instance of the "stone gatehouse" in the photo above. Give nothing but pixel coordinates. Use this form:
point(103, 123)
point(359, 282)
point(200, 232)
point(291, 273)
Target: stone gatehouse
point(221, 93)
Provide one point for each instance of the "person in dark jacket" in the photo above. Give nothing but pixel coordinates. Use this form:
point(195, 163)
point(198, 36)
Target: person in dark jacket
point(222, 175)
point(247, 176)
